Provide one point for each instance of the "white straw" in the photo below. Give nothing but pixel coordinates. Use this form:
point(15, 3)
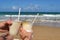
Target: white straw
point(19, 14)
point(10, 17)
point(35, 18)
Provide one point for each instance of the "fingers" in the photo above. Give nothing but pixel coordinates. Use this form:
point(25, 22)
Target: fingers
point(2, 31)
point(9, 37)
point(9, 22)
point(1, 38)
point(2, 24)
point(25, 35)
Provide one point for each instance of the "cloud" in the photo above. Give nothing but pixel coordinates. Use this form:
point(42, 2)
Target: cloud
point(14, 7)
point(32, 7)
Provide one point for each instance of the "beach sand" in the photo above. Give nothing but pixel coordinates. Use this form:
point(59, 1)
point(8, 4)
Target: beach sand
point(46, 33)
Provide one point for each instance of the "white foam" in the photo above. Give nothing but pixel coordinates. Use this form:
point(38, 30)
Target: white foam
point(30, 17)
point(44, 15)
point(49, 15)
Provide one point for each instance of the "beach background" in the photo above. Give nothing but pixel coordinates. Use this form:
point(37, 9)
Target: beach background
point(46, 26)
point(44, 18)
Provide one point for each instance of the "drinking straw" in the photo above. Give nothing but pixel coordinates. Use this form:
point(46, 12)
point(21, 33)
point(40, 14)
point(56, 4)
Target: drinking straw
point(35, 18)
point(19, 14)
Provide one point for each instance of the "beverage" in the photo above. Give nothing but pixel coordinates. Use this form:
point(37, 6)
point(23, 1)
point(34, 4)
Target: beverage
point(14, 28)
point(27, 26)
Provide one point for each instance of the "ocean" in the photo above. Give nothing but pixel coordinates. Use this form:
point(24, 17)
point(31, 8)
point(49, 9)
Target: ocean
point(45, 18)
point(28, 13)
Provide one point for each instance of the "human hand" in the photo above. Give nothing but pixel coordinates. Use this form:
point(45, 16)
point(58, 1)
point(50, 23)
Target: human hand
point(22, 33)
point(4, 26)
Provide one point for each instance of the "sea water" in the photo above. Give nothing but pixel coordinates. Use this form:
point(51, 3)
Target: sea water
point(45, 18)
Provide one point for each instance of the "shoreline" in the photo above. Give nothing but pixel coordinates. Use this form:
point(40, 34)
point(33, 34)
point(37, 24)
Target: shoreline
point(49, 24)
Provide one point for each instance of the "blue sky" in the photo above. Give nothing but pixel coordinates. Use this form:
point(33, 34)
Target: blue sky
point(30, 5)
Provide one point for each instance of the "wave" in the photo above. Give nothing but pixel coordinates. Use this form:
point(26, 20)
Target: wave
point(45, 17)
point(50, 15)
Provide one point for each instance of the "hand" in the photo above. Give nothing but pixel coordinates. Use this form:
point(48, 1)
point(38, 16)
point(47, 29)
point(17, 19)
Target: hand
point(4, 29)
point(22, 33)
point(25, 35)
point(5, 25)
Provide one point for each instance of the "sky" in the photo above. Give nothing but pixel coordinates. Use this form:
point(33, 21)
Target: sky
point(30, 5)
